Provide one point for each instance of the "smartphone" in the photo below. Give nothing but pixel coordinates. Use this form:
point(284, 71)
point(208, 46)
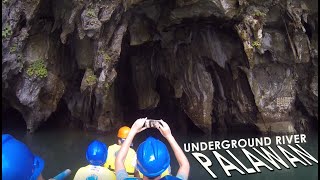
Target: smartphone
point(151, 123)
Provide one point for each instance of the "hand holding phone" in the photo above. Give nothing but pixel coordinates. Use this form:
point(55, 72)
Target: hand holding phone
point(151, 123)
point(164, 129)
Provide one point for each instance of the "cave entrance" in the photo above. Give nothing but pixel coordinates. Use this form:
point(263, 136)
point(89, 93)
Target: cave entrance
point(59, 119)
point(168, 107)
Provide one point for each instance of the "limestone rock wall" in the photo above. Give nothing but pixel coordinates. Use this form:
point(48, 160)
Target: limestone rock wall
point(232, 64)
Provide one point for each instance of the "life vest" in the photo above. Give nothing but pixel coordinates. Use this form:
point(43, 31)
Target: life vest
point(165, 173)
point(94, 173)
point(129, 163)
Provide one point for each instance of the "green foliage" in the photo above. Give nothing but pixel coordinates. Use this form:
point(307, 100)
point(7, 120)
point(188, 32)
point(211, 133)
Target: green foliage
point(13, 48)
point(256, 44)
point(106, 57)
point(6, 32)
point(258, 13)
point(90, 13)
point(107, 86)
point(91, 79)
point(38, 69)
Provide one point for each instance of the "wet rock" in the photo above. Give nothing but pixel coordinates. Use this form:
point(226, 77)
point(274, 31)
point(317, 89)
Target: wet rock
point(139, 31)
point(274, 41)
point(39, 99)
point(307, 92)
point(151, 11)
point(89, 81)
point(84, 53)
point(274, 92)
point(250, 30)
point(106, 10)
point(273, 17)
point(199, 94)
point(144, 84)
point(229, 65)
point(110, 114)
point(79, 106)
point(194, 9)
point(90, 22)
point(130, 3)
point(302, 46)
point(277, 127)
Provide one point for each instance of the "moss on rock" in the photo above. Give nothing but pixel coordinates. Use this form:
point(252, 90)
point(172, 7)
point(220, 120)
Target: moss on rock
point(38, 69)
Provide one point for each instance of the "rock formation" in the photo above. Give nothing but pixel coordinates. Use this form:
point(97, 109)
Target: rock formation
point(226, 65)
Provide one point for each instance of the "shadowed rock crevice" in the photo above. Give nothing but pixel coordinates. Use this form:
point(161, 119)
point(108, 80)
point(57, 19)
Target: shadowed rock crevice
point(12, 118)
point(215, 66)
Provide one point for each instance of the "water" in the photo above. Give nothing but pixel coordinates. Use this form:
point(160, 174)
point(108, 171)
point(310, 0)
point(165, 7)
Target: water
point(65, 149)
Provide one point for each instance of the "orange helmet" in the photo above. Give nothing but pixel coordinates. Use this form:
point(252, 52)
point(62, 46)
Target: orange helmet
point(123, 132)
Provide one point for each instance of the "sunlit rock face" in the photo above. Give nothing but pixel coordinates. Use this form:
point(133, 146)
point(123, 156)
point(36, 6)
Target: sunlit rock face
point(216, 65)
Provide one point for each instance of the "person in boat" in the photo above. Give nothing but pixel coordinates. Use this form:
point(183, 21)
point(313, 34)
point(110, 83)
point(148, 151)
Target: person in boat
point(97, 153)
point(130, 160)
point(18, 162)
point(153, 157)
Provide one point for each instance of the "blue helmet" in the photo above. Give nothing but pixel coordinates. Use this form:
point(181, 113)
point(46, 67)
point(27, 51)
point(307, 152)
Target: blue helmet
point(153, 157)
point(97, 153)
point(169, 177)
point(18, 162)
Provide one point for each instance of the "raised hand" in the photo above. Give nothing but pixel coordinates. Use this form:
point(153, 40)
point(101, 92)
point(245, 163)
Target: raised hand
point(164, 128)
point(138, 125)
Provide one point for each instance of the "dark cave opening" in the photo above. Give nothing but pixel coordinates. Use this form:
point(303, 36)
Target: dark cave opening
point(60, 118)
point(12, 118)
point(229, 120)
point(168, 108)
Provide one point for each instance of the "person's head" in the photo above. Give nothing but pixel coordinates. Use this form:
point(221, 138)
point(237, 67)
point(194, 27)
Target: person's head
point(97, 153)
point(122, 134)
point(18, 162)
point(153, 158)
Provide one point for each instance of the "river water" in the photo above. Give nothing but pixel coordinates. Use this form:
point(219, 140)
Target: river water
point(65, 148)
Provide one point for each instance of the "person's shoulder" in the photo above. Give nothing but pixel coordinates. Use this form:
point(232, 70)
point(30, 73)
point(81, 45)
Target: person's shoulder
point(132, 151)
point(108, 172)
point(81, 172)
point(113, 146)
point(83, 168)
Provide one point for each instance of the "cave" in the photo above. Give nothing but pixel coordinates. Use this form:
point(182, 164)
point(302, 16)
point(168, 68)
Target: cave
point(168, 108)
point(59, 119)
point(97, 65)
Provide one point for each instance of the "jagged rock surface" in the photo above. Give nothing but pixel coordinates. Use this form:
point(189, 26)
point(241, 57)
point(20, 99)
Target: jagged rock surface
point(231, 64)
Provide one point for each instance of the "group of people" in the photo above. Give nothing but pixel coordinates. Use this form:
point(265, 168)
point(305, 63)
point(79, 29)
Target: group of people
point(151, 161)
